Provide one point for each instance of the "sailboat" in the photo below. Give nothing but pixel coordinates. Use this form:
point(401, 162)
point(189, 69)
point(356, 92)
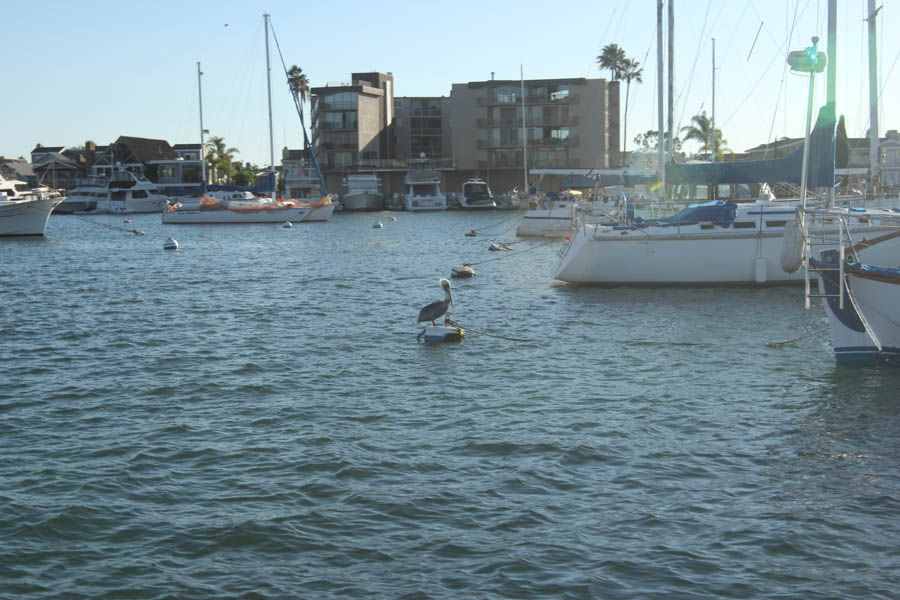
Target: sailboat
point(714, 242)
point(245, 206)
point(859, 280)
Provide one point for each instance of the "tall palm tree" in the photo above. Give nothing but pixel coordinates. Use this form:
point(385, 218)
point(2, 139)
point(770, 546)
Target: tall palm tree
point(299, 85)
point(220, 158)
point(613, 58)
point(631, 71)
point(700, 130)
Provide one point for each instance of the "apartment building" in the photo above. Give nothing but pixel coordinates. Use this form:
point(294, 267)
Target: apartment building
point(568, 124)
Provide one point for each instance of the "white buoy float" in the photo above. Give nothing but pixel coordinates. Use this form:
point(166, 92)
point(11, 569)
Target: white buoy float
point(377, 225)
point(127, 221)
point(461, 271)
point(287, 225)
point(393, 218)
point(170, 244)
point(441, 333)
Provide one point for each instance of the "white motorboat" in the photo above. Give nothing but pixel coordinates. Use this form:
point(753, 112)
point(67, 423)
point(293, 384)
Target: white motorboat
point(423, 190)
point(476, 194)
point(25, 211)
point(84, 197)
point(553, 215)
point(127, 193)
point(363, 192)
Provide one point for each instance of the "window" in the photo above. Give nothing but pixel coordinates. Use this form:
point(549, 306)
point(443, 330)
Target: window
point(506, 94)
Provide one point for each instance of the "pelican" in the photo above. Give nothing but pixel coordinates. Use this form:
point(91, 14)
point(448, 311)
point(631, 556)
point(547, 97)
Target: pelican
point(439, 308)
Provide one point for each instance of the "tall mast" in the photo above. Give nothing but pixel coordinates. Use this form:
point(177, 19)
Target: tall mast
point(202, 133)
point(659, 86)
point(831, 74)
point(269, 86)
point(670, 147)
point(712, 126)
point(873, 96)
point(524, 131)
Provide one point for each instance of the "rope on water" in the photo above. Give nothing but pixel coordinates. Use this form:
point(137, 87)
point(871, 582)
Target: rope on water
point(802, 337)
point(480, 262)
point(497, 223)
point(134, 231)
point(453, 323)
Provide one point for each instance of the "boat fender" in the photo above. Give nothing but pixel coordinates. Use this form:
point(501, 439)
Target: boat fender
point(792, 247)
point(759, 270)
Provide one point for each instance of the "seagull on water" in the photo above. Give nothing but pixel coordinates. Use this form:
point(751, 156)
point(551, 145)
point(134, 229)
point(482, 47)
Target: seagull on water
point(437, 309)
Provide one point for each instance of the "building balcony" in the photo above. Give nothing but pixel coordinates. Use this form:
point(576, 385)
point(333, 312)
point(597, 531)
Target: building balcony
point(529, 100)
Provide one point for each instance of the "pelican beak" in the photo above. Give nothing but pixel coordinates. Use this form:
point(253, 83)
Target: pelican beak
point(451, 298)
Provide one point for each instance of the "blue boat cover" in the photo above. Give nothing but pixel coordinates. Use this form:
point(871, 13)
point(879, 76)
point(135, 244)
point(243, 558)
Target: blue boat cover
point(787, 169)
point(716, 211)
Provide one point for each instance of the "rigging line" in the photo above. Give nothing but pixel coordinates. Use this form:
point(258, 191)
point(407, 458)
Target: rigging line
point(687, 88)
point(755, 88)
point(481, 262)
point(602, 37)
point(753, 45)
point(783, 76)
point(497, 223)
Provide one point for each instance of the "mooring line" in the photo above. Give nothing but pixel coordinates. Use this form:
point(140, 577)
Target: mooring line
point(134, 231)
point(802, 337)
point(480, 262)
point(498, 223)
point(453, 323)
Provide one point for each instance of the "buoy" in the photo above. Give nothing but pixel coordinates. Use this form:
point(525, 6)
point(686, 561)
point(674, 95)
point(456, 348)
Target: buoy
point(393, 218)
point(462, 271)
point(472, 233)
point(170, 244)
point(127, 221)
point(792, 247)
point(441, 333)
point(377, 225)
point(502, 246)
point(287, 225)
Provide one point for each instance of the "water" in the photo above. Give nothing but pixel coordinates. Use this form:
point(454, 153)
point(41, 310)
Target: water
point(252, 417)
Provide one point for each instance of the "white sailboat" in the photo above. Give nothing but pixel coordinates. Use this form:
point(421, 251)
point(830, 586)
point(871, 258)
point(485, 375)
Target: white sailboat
point(244, 206)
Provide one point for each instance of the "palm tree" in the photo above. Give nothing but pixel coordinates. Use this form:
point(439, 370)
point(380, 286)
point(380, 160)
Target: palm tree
point(613, 58)
point(631, 71)
point(299, 85)
point(221, 158)
point(700, 131)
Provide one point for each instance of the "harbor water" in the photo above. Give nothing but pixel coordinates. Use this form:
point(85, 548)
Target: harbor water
point(251, 416)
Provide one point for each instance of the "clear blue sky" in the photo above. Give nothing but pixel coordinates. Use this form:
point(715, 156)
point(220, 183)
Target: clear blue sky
point(95, 70)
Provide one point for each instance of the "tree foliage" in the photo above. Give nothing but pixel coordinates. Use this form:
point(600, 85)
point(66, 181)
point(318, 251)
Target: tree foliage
point(700, 131)
point(612, 57)
point(631, 71)
point(221, 160)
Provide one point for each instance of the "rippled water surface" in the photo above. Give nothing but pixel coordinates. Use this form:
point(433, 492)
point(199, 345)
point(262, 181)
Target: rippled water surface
point(252, 416)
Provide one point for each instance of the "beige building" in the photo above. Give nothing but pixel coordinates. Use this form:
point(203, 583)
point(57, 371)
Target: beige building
point(569, 124)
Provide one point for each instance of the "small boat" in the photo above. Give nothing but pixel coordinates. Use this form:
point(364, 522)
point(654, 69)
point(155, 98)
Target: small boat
point(476, 194)
point(423, 188)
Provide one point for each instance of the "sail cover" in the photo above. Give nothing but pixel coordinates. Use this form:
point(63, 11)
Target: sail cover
point(787, 169)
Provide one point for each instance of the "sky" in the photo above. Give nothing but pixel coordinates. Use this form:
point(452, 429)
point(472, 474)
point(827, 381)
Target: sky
point(97, 69)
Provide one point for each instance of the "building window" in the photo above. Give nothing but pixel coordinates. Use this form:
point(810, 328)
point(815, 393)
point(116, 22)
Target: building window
point(506, 94)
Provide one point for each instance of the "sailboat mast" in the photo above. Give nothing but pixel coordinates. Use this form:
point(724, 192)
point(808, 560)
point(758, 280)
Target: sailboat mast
point(873, 97)
point(670, 146)
point(269, 86)
point(202, 133)
point(831, 75)
point(712, 127)
point(659, 86)
point(524, 132)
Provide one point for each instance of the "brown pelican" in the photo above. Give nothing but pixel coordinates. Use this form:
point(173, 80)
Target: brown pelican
point(437, 309)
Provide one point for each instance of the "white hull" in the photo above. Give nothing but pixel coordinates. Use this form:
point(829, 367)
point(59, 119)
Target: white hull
point(363, 201)
point(152, 204)
point(425, 203)
point(277, 215)
point(879, 303)
point(28, 216)
point(695, 254)
point(553, 223)
point(320, 213)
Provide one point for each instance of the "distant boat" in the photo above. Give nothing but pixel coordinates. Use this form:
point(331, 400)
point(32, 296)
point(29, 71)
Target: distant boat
point(363, 192)
point(25, 211)
point(244, 206)
point(423, 188)
point(127, 193)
